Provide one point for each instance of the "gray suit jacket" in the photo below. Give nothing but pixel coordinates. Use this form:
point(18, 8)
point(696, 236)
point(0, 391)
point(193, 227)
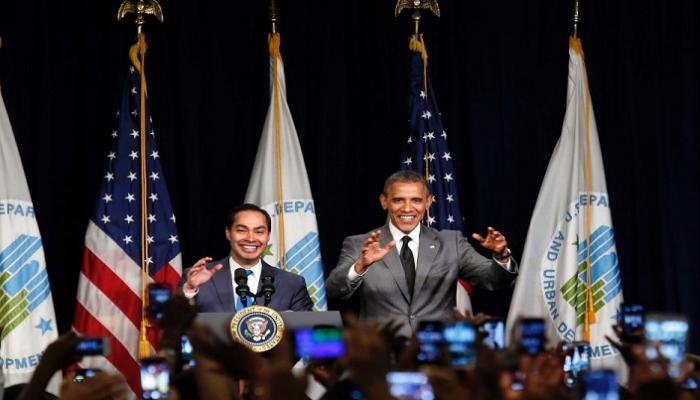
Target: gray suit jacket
point(443, 257)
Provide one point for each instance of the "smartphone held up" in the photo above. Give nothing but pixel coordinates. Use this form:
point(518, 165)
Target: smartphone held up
point(158, 295)
point(93, 346)
point(155, 378)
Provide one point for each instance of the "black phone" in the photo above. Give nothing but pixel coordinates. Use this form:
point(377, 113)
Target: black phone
point(577, 360)
point(532, 335)
point(82, 374)
point(632, 322)
point(158, 295)
point(93, 346)
point(431, 342)
point(460, 338)
point(600, 385)
point(155, 378)
point(319, 342)
point(494, 333)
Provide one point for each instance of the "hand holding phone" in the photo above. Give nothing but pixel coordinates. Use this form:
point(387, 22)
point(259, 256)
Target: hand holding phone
point(668, 333)
point(186, 350)
point(158, 295)
point(460, 338)
point(577, 360)
point(632, 322)
point(690, 384)
point(431, 343)
point(409, 385)
point(494, 333)
point(155, 378)
point(600, 385)
point(82, 374)
point(93, 346)
point(532, 337)
point(319, 342)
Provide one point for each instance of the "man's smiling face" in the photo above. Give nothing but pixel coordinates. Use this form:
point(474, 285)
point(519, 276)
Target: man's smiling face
point(248, 236)
point(406, 202)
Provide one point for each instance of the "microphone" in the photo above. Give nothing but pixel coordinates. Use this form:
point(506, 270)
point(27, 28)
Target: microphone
point(268, 287)
point(242, 289)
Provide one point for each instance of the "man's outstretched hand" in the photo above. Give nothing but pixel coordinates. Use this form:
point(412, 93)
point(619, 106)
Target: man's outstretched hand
point(372, 251)
point(199, 274)
point(494, 241)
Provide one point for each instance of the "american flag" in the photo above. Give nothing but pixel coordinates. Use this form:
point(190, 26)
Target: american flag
point(426, 151)
point(109, 291)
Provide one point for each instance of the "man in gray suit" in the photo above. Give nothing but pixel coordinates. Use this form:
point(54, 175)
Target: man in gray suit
point(407, 271)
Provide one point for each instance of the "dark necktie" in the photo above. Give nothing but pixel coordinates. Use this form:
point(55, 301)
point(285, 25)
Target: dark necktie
point(409, 265)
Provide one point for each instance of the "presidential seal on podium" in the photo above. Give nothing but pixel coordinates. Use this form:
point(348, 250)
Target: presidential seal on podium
point(257, 327)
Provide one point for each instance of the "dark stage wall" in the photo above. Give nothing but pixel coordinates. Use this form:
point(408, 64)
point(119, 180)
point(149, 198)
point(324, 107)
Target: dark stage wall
point(500, 73)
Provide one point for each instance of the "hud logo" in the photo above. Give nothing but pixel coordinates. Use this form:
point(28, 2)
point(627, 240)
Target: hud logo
point(605, 274)
point(564, 274)
point(24, 283)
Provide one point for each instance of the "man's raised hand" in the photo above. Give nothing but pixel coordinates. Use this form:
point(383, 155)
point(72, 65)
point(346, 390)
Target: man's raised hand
point(199, 274)
point(372, 251)
point(494, 241)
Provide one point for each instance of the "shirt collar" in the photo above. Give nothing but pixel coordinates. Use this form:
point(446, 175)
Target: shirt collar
point(397, 235)
point(257, 268)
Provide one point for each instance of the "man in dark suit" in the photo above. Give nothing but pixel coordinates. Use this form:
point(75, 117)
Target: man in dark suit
point(212, 286)
point(407, 271)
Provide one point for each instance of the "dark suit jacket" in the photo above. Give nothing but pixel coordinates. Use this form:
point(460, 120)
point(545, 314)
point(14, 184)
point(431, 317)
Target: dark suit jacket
point(443, 257)
point(217, 294)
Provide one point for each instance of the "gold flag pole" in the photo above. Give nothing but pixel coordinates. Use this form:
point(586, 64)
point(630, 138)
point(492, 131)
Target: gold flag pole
point(274, 16)
point(273, 41)
point(137, 54)
point(418, 45)
point(576, 18)
point(589, 317)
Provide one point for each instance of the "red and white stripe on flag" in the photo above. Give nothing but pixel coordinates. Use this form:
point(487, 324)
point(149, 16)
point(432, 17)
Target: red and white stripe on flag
point(109, 299)
point(109, 303)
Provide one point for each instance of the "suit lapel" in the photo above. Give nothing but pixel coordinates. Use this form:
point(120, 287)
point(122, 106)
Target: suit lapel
point(427, 250)
point(393, 262)
point(223, 285)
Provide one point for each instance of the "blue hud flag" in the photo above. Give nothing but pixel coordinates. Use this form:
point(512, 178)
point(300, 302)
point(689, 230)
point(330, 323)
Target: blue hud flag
point(26, 307)
point(426, 152)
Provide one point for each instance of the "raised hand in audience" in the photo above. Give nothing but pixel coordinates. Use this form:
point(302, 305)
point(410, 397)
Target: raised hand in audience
point(101, 386)
point(58, 355)
point(367, 358)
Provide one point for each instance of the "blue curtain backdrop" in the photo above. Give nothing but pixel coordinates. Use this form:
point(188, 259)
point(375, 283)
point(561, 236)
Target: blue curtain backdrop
point(499, 69)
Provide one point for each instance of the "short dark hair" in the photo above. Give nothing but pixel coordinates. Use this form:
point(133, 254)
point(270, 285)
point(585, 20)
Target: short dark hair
point(247, 207)
point(406, 176)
